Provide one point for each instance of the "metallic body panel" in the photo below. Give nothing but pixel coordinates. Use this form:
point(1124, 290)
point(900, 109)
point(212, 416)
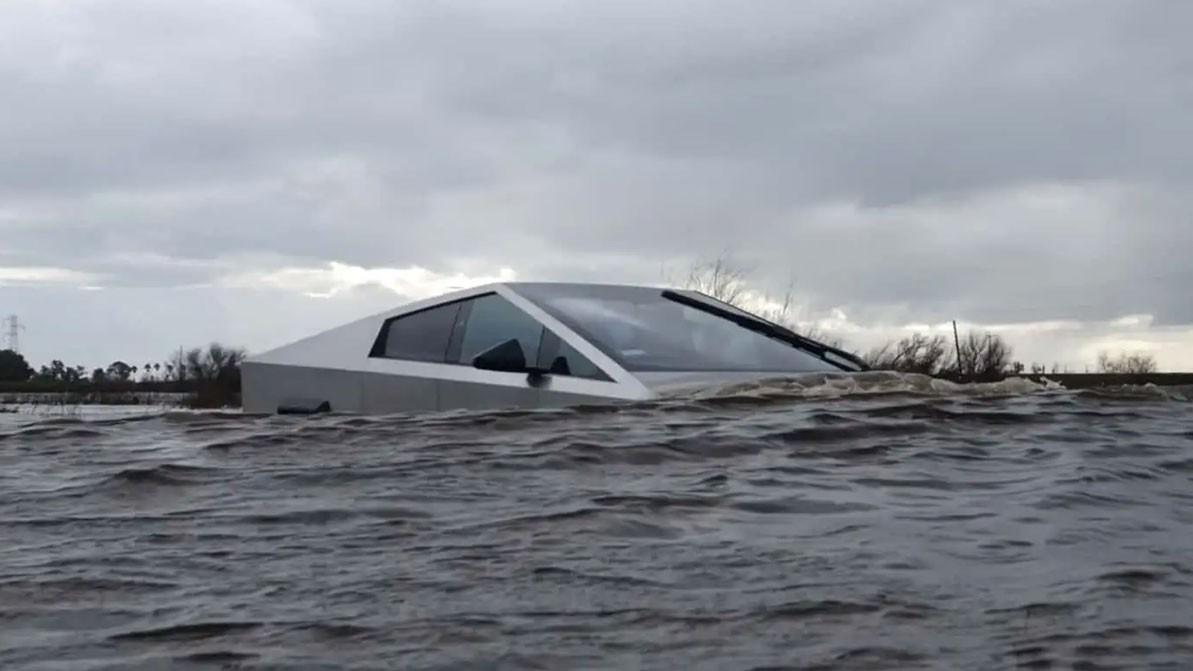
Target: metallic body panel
point(382, 393)
point(482, 396)
point(335, 366)
point(266, 386)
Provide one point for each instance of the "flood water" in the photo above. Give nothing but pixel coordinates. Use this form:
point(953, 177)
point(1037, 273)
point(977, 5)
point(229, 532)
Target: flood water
point(880, 523)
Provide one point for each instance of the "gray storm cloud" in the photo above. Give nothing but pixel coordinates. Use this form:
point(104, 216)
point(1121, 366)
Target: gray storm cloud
point(1011, 161)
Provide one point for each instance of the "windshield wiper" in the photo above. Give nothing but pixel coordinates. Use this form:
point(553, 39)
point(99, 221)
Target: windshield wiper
point(769, 329)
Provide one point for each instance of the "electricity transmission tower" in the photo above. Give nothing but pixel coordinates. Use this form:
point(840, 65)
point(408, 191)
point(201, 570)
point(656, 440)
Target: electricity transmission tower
point(13, 337)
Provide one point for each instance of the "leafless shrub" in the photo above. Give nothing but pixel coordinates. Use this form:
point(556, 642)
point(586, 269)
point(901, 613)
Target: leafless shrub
point(983, 356)
point(917, 353)
point(1132, 364)
point(721, 279)
point(726, 281)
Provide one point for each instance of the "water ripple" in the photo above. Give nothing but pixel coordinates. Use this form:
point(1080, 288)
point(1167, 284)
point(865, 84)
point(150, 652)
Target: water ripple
point(874, 522)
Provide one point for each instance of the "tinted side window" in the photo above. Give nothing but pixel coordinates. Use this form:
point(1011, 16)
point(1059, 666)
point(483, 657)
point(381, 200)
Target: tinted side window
point(560, 358)
point(491, 320)
point(422, 336)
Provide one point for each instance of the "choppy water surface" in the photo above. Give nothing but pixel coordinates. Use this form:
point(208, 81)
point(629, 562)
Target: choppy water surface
point(888, 524)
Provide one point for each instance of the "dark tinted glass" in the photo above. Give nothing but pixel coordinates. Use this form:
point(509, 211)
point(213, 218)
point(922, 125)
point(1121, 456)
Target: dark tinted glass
point(422, 336)
point(491, 321)
point(560, 358)
point(645, 331)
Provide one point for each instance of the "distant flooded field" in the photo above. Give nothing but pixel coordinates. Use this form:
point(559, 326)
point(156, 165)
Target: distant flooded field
point(30, 400)
point(891, 523)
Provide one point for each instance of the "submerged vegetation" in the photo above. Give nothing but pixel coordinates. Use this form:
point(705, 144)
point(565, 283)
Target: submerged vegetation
point(977, 356)
point(917, 353)
point(971, 356)
point(201, 378)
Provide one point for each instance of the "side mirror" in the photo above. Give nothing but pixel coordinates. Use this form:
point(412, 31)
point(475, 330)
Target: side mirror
point(505, 357)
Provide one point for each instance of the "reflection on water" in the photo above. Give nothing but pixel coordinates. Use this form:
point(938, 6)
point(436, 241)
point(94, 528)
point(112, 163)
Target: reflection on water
point(871, 522)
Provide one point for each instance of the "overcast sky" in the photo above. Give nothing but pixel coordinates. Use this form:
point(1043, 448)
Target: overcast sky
point(177, 173)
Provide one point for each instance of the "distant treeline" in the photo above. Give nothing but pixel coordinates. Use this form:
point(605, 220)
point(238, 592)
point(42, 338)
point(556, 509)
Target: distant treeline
point(209, 377)
point(1094, 380)
point(983, 356)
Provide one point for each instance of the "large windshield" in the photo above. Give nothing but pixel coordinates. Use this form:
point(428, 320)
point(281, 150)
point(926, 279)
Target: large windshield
point(643, 330)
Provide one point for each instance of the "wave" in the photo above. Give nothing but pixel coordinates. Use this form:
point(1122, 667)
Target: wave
point(879, 520)
point(839, 385)
point(162, 475)
point(186, 632)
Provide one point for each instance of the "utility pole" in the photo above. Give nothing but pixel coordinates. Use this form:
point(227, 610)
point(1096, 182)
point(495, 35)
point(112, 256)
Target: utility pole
point(957, 342)
point(14, 333)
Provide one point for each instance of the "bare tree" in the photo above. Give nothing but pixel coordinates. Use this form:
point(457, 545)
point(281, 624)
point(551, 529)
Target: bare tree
point(1142, 363)
point(729, 282)
point(783, 313)
point(215, 362)
point(194, 365)
point(220, 360)
point(1135, 363)
point(917, 353)
point(983, 356)
point(721, 279)
point(176, 366)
